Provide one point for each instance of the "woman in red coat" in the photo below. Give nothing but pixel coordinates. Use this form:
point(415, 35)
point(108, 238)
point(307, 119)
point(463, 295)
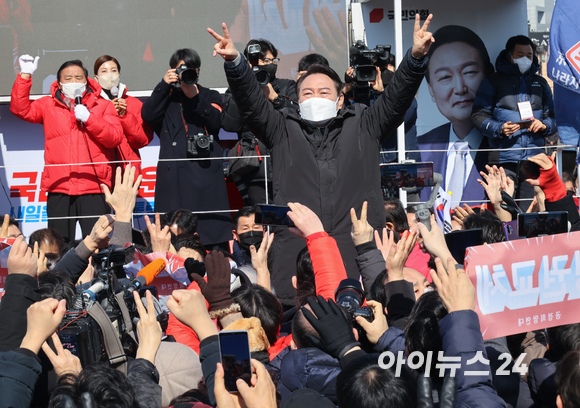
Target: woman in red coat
point(81, 131)
point(138, 134)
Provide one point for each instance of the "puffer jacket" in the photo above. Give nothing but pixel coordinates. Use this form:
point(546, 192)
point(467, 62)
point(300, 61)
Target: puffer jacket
point(138, 134)
point(541, 381)
point(308, 368)
point(496, 103)
point(67, 141)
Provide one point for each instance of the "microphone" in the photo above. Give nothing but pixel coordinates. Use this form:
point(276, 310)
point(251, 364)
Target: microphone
point(78, 97)
point(115, 91)
point(146, 275)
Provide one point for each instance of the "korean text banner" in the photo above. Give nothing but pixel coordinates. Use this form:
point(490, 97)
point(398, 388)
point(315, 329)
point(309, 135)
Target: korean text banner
point(564, 62)
point(526, 285)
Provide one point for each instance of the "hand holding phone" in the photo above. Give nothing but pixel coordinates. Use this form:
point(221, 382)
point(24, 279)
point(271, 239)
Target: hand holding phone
point(235, 357)
point(276, 215)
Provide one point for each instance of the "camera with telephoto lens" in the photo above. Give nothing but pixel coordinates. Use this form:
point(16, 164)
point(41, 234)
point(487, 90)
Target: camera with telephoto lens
point(79, 332)
point(186, 75)
point(199, 145)
point(349, 295)
point(364, 62)
point(254, 53)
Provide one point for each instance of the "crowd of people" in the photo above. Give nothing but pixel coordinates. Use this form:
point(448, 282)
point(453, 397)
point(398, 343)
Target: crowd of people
point(337, 307)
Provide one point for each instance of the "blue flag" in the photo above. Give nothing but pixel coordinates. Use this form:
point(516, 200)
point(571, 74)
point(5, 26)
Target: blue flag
point(564, 68)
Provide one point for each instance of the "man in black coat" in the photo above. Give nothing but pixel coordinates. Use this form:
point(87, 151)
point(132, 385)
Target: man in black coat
point(180, 109)
point(325, 157)
point(281, 93)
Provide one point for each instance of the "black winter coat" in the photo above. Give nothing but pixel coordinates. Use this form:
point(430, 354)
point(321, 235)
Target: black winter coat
point(194, 185)
point(331, 169)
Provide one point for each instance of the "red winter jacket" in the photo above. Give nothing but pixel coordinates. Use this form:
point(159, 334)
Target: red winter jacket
point(327, 264)
point(65, 140)
point(138, 134)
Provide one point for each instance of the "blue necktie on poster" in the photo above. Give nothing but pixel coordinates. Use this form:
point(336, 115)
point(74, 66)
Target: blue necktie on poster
point(564, 68)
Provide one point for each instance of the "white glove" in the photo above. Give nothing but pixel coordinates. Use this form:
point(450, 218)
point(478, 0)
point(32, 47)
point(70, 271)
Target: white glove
point(28, 64)
point(82, 113)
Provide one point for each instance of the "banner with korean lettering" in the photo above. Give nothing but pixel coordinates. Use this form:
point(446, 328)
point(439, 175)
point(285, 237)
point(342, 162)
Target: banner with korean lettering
point(526, 285)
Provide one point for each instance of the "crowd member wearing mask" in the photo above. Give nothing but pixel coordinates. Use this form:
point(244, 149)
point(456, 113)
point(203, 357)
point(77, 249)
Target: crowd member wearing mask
point(281, 93)
point(326, 156)
point(514, 108)
point(138, 134)
point(85, 132)
point(184, 114)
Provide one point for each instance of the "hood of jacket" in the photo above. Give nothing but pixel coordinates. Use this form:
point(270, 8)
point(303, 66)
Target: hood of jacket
point(505, 66)
point(309, 368)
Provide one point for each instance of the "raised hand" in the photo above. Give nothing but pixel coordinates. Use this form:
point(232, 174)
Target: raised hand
point(260, 260)
point(63, 361)
point(454, 286)
point(189, 307)
point(224, 46)
point(462, 213)
point(5, 226)
point(42, 320)
point(21, 259)
point(160, 237)
point(305, 220)
point(361, 231)
point(398, 255)
point(124, 195)
point(148, 328)
point(385, 243)
point(422, 39)
point(28, 65)
point(99, 236)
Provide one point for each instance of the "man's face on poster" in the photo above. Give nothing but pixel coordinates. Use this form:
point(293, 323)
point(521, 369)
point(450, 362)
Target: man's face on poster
point(455, 71)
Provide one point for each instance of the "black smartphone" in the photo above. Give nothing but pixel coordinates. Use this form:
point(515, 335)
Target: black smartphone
point(459, 241)
point(529, 170)
point(406, 175)
point(532, 225)
point(510, 230)
point(525, 124)
point(236, 358)
point(138, 238)
point(268, 214)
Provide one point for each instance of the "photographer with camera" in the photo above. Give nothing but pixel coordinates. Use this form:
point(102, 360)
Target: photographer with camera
point(186, 116)
point(281, 93)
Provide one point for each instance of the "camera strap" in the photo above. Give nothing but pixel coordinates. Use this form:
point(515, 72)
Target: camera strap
point(115, 353)
point(183, 119)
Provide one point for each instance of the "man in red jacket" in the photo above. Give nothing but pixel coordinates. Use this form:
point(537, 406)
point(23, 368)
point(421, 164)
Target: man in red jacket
point(81, 131)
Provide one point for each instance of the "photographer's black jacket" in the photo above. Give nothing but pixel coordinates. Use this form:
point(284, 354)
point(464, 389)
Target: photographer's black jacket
point(232, 120)
point(194, 185)
point(330, 169)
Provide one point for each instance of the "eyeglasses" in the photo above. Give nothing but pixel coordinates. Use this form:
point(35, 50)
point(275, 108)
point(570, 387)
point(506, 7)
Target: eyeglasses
point(269, 61)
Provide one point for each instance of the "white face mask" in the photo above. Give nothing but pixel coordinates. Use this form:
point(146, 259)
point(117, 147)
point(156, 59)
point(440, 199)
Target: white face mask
point(109, 80)
point(69, 89)
point(524, 64)
point(318, 109)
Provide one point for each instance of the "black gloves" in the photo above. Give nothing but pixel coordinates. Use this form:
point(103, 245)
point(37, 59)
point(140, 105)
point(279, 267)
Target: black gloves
point(335, 334)
point(425, 396)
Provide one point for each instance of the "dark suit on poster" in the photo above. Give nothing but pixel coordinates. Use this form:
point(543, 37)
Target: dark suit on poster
point(438, 139)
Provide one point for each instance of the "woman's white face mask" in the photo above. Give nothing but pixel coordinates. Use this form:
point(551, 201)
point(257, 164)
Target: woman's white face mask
point(318, 109)
point(109, 80)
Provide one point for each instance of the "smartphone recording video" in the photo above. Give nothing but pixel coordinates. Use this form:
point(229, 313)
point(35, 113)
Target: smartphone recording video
point(276, 215)
point(533, 225)
point(236, 358)
point(405, 175)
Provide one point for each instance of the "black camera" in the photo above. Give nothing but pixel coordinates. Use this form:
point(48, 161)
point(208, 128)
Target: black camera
point(364, 60)
point(349, 295)
point(186, 75)
point(199, 145)
point(254, 53)
point(79, 332)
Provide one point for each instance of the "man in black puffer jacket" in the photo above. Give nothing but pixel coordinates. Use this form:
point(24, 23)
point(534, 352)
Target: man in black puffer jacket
point(281, 93)
point(327, 156)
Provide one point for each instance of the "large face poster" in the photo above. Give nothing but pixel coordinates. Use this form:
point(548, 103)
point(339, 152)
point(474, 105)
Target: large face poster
point(142, 35)
point(468, 39)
